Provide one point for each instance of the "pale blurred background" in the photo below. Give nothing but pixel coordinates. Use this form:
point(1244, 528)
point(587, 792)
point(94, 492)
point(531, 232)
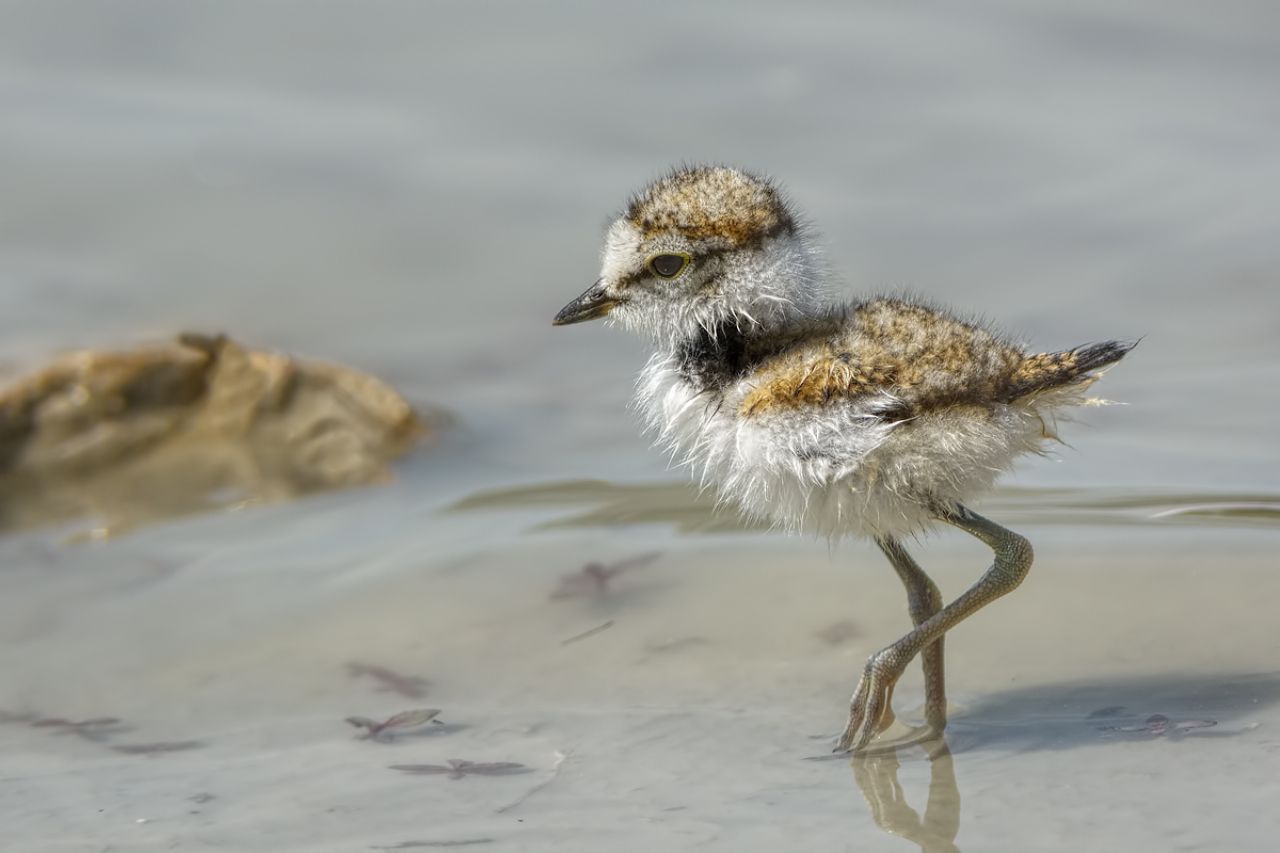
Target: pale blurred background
point(417, 187)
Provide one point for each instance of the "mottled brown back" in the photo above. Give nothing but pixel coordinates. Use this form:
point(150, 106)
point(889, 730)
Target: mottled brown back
point(926, 358)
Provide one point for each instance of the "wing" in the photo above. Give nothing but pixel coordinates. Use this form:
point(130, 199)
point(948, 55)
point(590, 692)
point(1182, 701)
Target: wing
point(814, 379)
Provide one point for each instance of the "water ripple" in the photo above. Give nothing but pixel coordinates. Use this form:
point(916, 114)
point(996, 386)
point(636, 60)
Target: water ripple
point(597, 503)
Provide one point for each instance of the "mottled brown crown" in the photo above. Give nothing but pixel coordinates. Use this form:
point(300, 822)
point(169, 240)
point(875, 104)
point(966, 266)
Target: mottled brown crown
point(712, 202)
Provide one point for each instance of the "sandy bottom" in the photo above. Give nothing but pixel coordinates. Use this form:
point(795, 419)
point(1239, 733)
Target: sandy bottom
point(687, 701)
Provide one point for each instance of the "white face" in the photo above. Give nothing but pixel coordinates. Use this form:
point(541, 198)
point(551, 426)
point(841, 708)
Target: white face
point(670, 288)
point(661, 285)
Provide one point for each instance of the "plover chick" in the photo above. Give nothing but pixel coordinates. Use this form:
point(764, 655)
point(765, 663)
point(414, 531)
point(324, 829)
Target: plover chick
point(873, 418)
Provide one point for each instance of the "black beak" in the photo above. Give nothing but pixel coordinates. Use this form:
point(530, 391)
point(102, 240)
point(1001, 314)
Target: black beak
point(590, 305)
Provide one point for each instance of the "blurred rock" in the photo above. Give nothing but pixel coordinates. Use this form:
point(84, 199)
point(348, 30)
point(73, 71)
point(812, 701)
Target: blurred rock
point(196, 424)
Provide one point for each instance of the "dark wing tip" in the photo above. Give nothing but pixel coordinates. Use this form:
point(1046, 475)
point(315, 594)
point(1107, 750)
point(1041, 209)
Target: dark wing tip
point(1094, 356)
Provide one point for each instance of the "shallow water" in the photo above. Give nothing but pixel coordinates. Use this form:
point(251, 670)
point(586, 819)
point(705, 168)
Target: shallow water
point(415, 190)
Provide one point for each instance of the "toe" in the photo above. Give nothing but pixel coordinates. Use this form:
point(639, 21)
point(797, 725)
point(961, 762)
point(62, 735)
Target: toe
point(870, 711)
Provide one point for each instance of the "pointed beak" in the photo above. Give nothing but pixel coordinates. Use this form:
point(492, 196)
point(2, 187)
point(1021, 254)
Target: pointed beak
point(591, 304)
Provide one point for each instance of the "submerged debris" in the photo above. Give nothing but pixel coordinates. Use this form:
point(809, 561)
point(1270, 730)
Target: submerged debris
point(158, 747)
point(677, 644)
point(390, 681)
point(398, 723)
point(1108, 711)
point(1158, 725)
point(406, 845)
point(95, 729)
point(593, 578)
point(98, 729)
point(457, 768)
point(603, 626)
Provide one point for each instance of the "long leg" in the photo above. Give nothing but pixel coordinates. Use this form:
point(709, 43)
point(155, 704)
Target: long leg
point(923, 600)
point(1013, 555)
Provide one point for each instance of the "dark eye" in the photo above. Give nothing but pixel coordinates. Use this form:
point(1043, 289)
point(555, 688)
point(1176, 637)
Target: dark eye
point(668, 266)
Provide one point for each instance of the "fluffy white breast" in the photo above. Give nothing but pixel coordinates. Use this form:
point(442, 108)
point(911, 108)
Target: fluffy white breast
point(799, 473)
point(839, 469)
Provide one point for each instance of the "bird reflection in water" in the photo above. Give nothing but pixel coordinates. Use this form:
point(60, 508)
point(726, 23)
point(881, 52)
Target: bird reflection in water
point(876, 775)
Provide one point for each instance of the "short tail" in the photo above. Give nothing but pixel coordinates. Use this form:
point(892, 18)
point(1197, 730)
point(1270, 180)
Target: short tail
point(1058, 369)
